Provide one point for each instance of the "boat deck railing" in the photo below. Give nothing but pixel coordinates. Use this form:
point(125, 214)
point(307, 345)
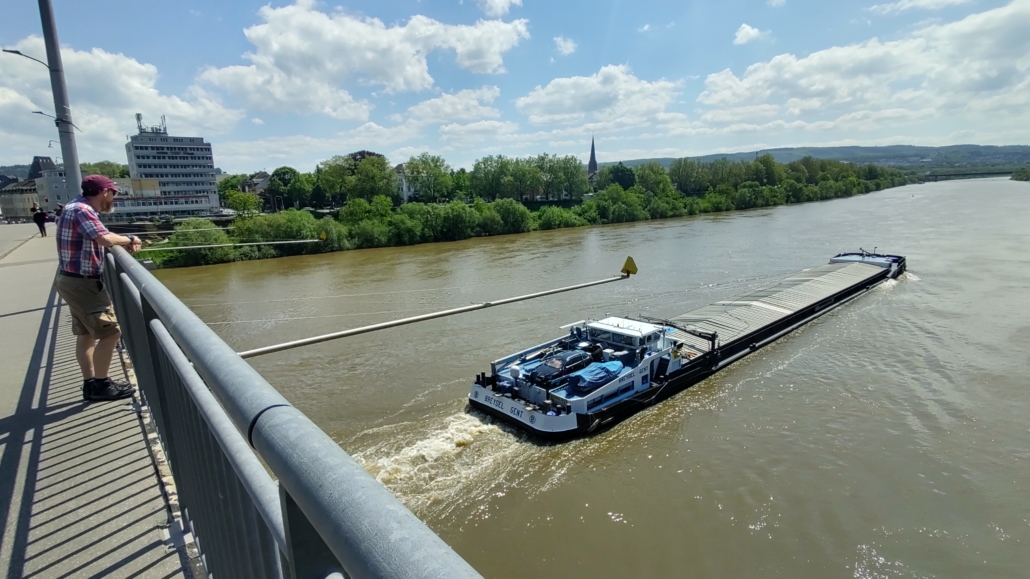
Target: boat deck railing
point(221, 424)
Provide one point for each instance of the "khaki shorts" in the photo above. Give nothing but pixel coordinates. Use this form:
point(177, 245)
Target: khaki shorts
point(90, 306)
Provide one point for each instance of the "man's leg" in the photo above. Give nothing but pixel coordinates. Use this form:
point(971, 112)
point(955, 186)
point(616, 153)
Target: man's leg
point(84, 352)
point(102, 355)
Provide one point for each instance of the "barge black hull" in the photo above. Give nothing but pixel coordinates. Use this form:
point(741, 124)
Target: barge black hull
point(699, 368)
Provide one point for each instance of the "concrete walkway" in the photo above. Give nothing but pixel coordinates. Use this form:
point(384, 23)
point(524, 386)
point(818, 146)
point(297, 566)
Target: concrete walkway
point(79, 493)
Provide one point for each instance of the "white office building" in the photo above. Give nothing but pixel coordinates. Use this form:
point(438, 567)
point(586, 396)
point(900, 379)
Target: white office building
point(170, 176)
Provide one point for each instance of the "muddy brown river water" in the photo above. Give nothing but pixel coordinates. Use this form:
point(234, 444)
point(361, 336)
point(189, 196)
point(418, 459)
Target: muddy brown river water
point(887, 439)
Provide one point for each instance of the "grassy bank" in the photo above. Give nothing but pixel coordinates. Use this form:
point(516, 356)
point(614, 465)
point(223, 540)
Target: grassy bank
point(378, 223)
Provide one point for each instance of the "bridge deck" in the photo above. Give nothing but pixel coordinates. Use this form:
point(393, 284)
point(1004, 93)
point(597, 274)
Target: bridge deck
point(79, 494)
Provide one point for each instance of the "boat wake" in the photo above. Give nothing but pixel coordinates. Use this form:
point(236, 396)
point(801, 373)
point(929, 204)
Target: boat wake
point(466, 458)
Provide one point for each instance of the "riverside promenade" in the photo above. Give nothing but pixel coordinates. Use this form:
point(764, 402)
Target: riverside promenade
point(80, 494)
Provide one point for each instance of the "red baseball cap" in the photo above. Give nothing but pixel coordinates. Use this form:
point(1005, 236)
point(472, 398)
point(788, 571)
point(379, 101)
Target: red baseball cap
point(94, 184)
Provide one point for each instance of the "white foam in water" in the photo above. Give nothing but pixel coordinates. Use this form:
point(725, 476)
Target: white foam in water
point(446, 467)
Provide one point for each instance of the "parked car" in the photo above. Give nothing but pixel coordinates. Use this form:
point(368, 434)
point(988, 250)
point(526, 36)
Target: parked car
point(558, 365)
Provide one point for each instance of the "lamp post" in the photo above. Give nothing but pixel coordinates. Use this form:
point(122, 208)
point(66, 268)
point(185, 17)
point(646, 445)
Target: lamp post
point(63, 120)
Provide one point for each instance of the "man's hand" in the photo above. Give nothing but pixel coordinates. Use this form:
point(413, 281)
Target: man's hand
point(136, 244)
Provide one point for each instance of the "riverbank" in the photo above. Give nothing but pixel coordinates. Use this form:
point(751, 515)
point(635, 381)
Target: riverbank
point(365, 224)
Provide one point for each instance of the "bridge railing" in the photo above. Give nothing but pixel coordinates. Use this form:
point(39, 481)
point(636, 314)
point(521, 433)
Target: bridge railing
point(218, 419)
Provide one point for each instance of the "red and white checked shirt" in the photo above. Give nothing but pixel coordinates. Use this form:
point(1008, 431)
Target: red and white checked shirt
point(77, 231)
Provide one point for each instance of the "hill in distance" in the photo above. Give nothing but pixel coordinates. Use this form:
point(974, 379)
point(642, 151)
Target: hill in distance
point(908, 156)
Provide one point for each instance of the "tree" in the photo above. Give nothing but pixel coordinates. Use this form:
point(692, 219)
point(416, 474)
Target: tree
point(515, 218)
point(105, 168)
point(689, 177)
point(374, 176)
point(243, 203)
point(523, 179)
point(652, 177)
point(336, 176)
point(487, 176)
point(460, 184)
point(623, 176)
point(298, 193)
point(231, 183)
point(279, 182)
point(430, 177)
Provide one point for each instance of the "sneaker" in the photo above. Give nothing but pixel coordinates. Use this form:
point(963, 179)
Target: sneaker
point(108, 389)
point(87, 387)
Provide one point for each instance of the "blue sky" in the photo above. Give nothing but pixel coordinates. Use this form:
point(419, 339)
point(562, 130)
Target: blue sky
point(295, 83)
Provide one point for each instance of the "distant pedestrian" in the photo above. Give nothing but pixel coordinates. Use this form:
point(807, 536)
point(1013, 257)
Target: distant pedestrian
point(81, 238)
point(57, 210)
point(39, 218)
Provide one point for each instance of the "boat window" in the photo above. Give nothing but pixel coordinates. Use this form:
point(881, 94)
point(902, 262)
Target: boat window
point(593, 403)
point(600, 334)
point(625, 389)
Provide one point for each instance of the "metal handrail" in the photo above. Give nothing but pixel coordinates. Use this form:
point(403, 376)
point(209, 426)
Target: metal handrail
point(334, 514)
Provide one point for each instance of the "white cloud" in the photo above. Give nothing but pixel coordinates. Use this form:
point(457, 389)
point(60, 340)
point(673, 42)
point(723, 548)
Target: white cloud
point(972, 72)
point(497, 8)
point(644, 28)
point(303, 56)
point(903, 5)
point(463, 105)
point(564, 46)
point(612, 93)
point(476, 132)
point(303, 152)
point(737, 114)
point(257, 121)
point(106, 91)
point(747, 33)
point(776, 3)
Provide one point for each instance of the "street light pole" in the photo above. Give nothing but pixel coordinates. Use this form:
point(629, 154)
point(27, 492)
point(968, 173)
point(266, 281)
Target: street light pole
point(62, 108)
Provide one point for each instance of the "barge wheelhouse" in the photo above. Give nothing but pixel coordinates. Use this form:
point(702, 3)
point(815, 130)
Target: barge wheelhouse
point(602, 371)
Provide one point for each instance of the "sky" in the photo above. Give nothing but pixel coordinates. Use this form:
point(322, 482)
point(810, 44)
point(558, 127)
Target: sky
point(272, 84)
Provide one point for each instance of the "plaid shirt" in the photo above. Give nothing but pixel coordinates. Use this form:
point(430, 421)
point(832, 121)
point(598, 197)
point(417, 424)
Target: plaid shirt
point(77, 230)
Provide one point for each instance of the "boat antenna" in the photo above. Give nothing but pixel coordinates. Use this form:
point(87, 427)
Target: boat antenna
point(628, 268)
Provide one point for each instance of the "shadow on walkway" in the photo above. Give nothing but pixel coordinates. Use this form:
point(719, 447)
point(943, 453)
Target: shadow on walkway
point(79, 495)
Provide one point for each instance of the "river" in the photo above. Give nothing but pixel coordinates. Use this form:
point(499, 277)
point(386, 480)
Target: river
point(887, 439)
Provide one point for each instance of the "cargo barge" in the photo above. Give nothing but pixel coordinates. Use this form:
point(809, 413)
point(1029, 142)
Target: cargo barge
point(603, 371)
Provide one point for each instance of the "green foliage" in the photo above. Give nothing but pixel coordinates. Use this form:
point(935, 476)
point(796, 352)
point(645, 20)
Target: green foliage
point(497, 184)
point(1021, 174)
point(243, 203)
point(106, 168)
point(615, 205)
point(459, 221)
point(515, 218)
point(460, 184)
point(429, 176)
point(623, 176)
point(373, 176)
point(298, 192)
point(551, 217)
point(289, 225)
point(544, 176)
point(231, 183)
point(198, 232)
point(653, 178)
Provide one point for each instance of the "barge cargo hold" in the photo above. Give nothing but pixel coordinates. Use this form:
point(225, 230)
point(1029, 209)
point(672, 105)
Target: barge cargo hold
point(606, 370)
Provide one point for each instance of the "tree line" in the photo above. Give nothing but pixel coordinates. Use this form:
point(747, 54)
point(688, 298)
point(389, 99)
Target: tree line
point(1021, 174)
point(489, 202)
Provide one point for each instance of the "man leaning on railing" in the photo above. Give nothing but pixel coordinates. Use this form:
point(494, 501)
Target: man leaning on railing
point(81, 237)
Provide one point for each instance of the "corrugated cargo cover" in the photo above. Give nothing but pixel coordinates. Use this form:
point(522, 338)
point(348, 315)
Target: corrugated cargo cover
point(748, 313)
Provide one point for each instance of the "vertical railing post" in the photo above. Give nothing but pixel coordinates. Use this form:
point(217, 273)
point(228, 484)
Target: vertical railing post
point(308, 557)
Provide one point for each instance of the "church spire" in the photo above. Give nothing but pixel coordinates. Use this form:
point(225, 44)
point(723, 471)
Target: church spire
point(592, 165)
